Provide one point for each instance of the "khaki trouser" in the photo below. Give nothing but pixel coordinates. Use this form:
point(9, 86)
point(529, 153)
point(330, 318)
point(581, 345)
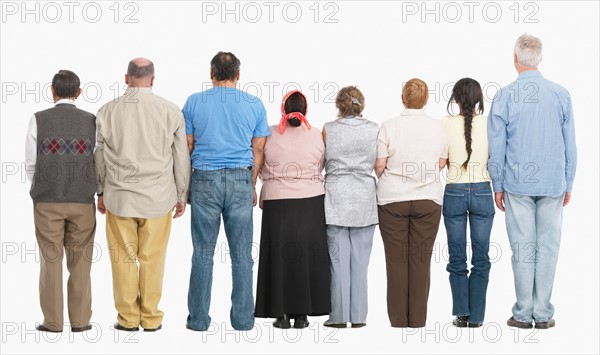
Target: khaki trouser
point(408, 230)
point(137, 291)
point(65, 229)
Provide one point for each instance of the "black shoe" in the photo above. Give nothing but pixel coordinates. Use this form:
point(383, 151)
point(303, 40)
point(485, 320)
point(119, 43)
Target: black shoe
point(474, 325)
point(282, 322)
point(153, 329)
point(301, 322)
point(358, 325)
point(43, 328)
point(545, 325)
point(334, 325)
point(512, 322)
point(461, 321)
point(118, 326)
point(81, 329)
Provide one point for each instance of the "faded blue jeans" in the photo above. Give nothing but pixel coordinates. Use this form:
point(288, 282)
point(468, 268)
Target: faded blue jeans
point(534, 226)
point(226, 192)
point(475, 203)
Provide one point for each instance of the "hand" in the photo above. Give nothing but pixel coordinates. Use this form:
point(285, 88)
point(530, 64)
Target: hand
point(179, 209)
point(101, 207)
point(499, 198)
point(254, 197)
point(567, 199)
point(260, 204)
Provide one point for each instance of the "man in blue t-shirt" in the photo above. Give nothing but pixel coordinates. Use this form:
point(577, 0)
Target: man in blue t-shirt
point(226, 133)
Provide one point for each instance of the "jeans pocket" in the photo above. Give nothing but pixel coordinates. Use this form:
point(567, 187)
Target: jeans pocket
point(453, 203)
point(204, 191)
point(243, 191)
point(483, 204)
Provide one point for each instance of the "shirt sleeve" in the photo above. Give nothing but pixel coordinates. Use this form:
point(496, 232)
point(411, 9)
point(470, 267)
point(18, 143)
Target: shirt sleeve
point(383, 143)
point(497, 124)
point(188, 117)
point(31, 148)
point(99, 154)
point(181, 159)
point(444, 137)
point(568, 132)
point(262, 125)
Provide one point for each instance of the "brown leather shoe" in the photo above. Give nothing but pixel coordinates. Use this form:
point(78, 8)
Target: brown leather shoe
point(153, 329)
point(118, 326)
point(334, 325)
point(81, 329)
point(512, 322)
point(43, 328)
point(545, 325)
point(359, 325)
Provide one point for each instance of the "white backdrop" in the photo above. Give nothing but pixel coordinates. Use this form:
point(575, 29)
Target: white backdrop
point(318, 47)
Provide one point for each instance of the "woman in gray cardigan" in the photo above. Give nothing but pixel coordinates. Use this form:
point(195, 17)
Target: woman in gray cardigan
point(350, 206)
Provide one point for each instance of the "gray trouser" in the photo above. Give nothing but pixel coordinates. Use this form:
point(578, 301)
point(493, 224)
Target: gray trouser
point(350, 250)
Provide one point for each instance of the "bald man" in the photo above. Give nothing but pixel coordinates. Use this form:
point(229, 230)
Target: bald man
point(143, 178)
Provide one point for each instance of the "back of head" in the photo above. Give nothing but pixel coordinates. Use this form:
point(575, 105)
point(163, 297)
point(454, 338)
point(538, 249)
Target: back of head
point(66, 84)
point(528, 50)
point(467, 94)
point(225, 66)
point(350, 102)
point(415, 94)
point(296, 102)
point(140, 72)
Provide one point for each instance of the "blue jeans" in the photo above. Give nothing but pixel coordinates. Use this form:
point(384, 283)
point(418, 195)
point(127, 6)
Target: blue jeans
point(475, 203)
point(533, 225)
point(226, 192)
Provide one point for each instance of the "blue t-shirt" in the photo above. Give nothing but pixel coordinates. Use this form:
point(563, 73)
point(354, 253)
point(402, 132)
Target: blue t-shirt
point(223, 121)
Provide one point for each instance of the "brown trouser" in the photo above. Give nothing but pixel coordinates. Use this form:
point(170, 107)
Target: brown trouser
point(65, 228)
point(408, 230)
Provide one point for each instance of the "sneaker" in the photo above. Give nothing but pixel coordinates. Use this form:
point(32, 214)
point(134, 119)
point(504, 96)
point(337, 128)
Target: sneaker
point(545, 325)
point(512, 322)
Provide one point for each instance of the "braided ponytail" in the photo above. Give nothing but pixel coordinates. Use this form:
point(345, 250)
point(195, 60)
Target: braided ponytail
point(467, 94)
point(468, 116)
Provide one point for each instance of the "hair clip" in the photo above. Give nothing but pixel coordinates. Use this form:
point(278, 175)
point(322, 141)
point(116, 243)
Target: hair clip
point(354, 101)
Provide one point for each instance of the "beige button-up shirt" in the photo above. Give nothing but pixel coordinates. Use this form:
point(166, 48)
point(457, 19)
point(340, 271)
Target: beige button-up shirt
point(141, 155)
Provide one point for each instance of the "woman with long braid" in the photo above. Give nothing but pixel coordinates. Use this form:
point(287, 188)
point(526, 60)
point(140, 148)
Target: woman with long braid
point(468, 196)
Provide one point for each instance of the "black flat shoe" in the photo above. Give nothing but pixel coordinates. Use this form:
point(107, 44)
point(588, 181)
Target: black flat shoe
point(153, 329)
point(359, 325)
point(301, 322)
point(118, 326)
point(282, 322)
point(43, 328)
point(334, 325)
point(81, 329)
point(460, 321)
point(474, 325)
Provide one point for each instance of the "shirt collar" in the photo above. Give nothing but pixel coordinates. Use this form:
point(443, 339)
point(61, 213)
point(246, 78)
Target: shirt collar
point(65, 101)
point(412, 112)
point(141, 90)
point(530, 74)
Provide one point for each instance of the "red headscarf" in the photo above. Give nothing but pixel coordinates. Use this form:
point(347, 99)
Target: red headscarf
point(286, 116)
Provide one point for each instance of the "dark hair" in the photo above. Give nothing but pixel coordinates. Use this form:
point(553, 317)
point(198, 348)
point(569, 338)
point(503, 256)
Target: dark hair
point(346, 105)
point(138, 71)
point(65, 84)
point(295, 103)
point(467, 94)
point(225, 66)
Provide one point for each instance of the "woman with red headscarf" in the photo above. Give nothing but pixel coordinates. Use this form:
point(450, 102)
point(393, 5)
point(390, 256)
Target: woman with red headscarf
point(293, 271)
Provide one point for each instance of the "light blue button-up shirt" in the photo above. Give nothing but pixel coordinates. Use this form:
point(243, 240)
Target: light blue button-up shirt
point(531, 137)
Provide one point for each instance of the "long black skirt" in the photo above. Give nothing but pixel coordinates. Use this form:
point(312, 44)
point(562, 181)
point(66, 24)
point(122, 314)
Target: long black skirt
point(293, 269)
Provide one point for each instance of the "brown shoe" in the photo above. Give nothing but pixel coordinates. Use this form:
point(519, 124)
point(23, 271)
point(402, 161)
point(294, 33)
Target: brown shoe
point(545, 325)
point(118, 326)
point(512, 322)
point(43, 328)
point(359, 325)
point(153, 329)
point(334, 325)
point(81, 329)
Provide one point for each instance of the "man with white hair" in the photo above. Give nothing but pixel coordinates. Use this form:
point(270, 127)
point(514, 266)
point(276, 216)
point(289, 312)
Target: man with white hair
point(533, 157)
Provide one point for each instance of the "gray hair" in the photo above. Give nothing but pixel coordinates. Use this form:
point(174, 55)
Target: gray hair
point(528, 50)
point(136, 71)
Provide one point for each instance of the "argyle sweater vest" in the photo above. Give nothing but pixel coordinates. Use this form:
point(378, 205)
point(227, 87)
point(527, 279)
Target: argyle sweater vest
point(64, 169)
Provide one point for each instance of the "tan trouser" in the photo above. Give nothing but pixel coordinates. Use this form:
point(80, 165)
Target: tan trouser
point(65, 228)
point(136, 291)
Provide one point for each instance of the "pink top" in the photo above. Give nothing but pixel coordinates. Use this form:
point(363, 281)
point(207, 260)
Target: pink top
point(293, 164)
